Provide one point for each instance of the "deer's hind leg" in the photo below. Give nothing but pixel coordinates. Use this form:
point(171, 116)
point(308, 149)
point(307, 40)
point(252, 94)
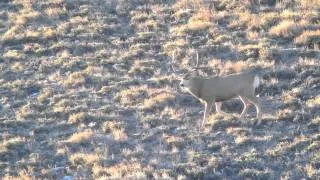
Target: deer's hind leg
point(256, 103)
point(246, 104)
point(249, 96)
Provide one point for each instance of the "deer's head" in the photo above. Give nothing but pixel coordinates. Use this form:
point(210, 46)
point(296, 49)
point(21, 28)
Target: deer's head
point(190, 79)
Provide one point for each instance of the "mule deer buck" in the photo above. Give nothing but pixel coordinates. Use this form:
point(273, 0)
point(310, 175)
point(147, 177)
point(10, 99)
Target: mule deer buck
point(214, 90)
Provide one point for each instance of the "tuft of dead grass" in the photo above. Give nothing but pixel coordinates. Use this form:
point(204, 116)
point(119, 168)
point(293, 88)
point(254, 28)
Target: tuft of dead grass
point(45, 95)
point(313, 102)
point(78, 117)
point(88, 159)
point(117, 131)
point(14, 55)
point(75, 79)
point(158, 100)
point(81, 137)
point(11, 144)
point(120, 170)
point(308, 37)
point(286, 29)
point(131, 96)
point(198, 23)
point(285, 114)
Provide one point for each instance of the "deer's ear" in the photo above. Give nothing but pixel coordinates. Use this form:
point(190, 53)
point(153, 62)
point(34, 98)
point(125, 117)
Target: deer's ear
point(187, 76)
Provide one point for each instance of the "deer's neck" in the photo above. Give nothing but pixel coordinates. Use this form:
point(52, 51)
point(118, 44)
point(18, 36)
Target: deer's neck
point(197, 90)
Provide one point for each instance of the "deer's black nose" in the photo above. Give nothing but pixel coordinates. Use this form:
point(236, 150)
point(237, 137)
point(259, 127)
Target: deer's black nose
point(181, 85)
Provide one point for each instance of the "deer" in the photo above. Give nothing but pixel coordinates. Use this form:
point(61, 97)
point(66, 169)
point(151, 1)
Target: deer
point(212, 91)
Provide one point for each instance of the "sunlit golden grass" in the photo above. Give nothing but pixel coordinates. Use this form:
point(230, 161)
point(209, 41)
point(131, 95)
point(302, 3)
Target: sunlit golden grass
point(84, 158)
point(22, 175)
point(14, 55)
point(203, 14)
point(316, 120)
point(17, 67)
point(269, 19)
point(139, 17)
point(119, 134)
point(311, 171)
point(291, 95)
point(26, 111)
point(196, 24)
point(75, 79)
point(131, 96)
point(158, 99)
point(26, 15)
point(315, 101)
point(309, 4)
point(254, 35)
point(252, 21)
point(132, 169)
point(12, 143)
point(187, 4)
point(307, 37)
point(78, 117)
point(286, 29)
point(289, 147)
point(235, 67)
point(289, 14)
point(55, 12)
point(45, 95)
point(81, 137)
point(192, 27)
point(17, 33)
point(308, 62)
point(87, 91)
point(117, 131)
point(285, 114)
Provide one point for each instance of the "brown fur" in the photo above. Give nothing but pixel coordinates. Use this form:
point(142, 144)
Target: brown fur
point(214, 90)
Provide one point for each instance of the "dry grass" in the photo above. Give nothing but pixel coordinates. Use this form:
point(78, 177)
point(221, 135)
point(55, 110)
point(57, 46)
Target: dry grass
point(289, 97)
point(251, 21)
point(131, 96)
point(316, 120)
point(11, 144)
point(128, 169)
point(55, 12)
point(78, 117)
point(87, 91)
point(285, 114)
point(308, 37)
point(81, 137)
point(17, 67)
point(313, 102)
point(286, 29)
point(75, 79)
point(308, 4)
point(84, 158)
point(158, 100)
point(198, 23)
point(116, 130)
point(14, 55)
point(235, 67)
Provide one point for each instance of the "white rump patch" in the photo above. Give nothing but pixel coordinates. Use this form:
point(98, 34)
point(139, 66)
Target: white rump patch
point(256, 81)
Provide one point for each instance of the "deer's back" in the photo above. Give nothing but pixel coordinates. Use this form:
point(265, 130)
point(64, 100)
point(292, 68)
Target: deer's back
point(226, 87)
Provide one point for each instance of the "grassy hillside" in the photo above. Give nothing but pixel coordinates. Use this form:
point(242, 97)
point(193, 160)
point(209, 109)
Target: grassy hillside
point(86, 89)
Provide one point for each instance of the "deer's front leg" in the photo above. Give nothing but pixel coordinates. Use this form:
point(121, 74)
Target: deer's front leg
point(207, 108)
